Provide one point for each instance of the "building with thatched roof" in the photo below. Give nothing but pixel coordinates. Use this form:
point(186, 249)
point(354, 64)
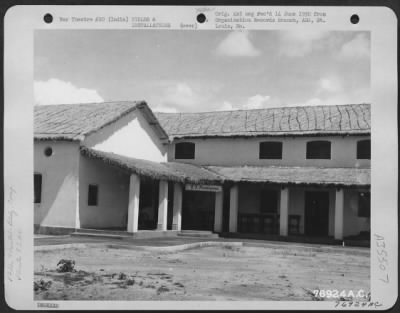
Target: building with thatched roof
point(280, 171)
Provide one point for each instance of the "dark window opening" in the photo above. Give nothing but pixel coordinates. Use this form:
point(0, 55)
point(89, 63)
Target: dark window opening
point(37, 185)
point(184, 150)
point(364, 204)
point(318, 150)
point(270, 150)
point(93, 195)
point(269, 201)
point(364, 149)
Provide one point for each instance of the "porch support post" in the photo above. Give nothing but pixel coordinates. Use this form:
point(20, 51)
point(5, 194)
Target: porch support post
point(218, 211)
point(233, 208)
point(284, 211)
point(133, 206)
point(339, 207)
point(177, 211)
point(162, 206)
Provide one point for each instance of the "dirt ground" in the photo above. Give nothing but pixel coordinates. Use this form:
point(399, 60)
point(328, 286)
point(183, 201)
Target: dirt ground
point(208, 273)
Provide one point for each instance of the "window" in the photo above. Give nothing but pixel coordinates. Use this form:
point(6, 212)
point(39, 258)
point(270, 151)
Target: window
point(364, 149)
point(93, 195)
point(269, 201)
point(270, 150)
point(184, 150)
point(364, 204)
point(37, 186)
point(318, 150)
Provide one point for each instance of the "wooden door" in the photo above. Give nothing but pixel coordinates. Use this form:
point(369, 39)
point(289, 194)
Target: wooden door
point(317, 213)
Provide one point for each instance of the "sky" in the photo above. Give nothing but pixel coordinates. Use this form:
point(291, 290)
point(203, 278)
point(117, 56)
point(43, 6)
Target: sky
point(194, 71)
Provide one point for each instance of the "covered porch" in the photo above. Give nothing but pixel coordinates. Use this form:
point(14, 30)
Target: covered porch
point(301, 203)
point(268, 202)
point(147, 196)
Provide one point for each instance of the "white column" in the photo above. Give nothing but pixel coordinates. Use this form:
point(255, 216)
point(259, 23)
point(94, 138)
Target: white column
point(162, 205)
point(177, 211)
point(77, 207)
point(284, 212)
point(133, 206)
point(233, 208)
point(339, 206)
point(218, 211)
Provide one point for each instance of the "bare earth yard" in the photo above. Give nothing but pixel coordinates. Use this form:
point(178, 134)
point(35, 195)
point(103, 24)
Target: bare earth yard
point(211, 273)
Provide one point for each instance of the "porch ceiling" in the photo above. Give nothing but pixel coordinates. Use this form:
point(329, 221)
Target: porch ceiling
point(296, 175)
point(172, 171)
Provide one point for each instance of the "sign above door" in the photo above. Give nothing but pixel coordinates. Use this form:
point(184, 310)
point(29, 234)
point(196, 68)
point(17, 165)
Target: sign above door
point(209, 188)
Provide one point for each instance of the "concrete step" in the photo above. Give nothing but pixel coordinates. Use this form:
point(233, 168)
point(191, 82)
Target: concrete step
point(123, 235)
point(197, 234)
point(195, 231)
point(102, 231)
point(99, 235)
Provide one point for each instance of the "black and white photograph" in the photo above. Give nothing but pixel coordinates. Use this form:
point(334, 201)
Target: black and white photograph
point(226, 164)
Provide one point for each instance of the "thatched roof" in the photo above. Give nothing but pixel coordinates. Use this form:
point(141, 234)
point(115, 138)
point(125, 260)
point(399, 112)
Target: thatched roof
point(75, 121)
point(189, 173)
point(172, 171)
point(354, 119)
point(296, 175)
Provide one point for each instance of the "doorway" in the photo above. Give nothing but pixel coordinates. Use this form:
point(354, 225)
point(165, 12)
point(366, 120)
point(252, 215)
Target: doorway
point(316, 213)
point(148, 204)
point(198, 210)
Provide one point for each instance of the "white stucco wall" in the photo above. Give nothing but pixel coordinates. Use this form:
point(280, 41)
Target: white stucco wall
point(60, 180)
point(245, 151)
point(113, 195)
point(131, 136)
point(249, 202)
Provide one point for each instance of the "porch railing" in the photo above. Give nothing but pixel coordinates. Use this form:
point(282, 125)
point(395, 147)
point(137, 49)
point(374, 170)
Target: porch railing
point(266, 223)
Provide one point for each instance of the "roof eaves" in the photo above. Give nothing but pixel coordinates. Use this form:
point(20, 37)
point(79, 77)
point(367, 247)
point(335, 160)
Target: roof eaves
point(153, 121)
point(272, 134)
point(58, 137)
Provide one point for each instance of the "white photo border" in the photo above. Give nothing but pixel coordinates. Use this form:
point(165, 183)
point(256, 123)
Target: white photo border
point(20, 23)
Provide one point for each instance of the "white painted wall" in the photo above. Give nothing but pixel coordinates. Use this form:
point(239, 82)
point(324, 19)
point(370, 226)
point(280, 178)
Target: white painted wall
point(60, 181)
point(113, 195)
point(249, 202)
point(245, 151)
point(131, 136)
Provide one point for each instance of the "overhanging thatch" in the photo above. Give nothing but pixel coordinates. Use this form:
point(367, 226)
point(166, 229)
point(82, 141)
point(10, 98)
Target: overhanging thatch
point(349, 177)
point(178, 172)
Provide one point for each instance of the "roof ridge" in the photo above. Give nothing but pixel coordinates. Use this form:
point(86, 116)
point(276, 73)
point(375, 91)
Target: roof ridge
point(269, 108)
point(294, 167)
point(133, 102)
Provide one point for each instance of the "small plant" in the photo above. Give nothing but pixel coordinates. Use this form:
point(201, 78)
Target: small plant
point(130, 282)
point(162, 289)
point(64, 266)
point(41, 285)
point(122, 276)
